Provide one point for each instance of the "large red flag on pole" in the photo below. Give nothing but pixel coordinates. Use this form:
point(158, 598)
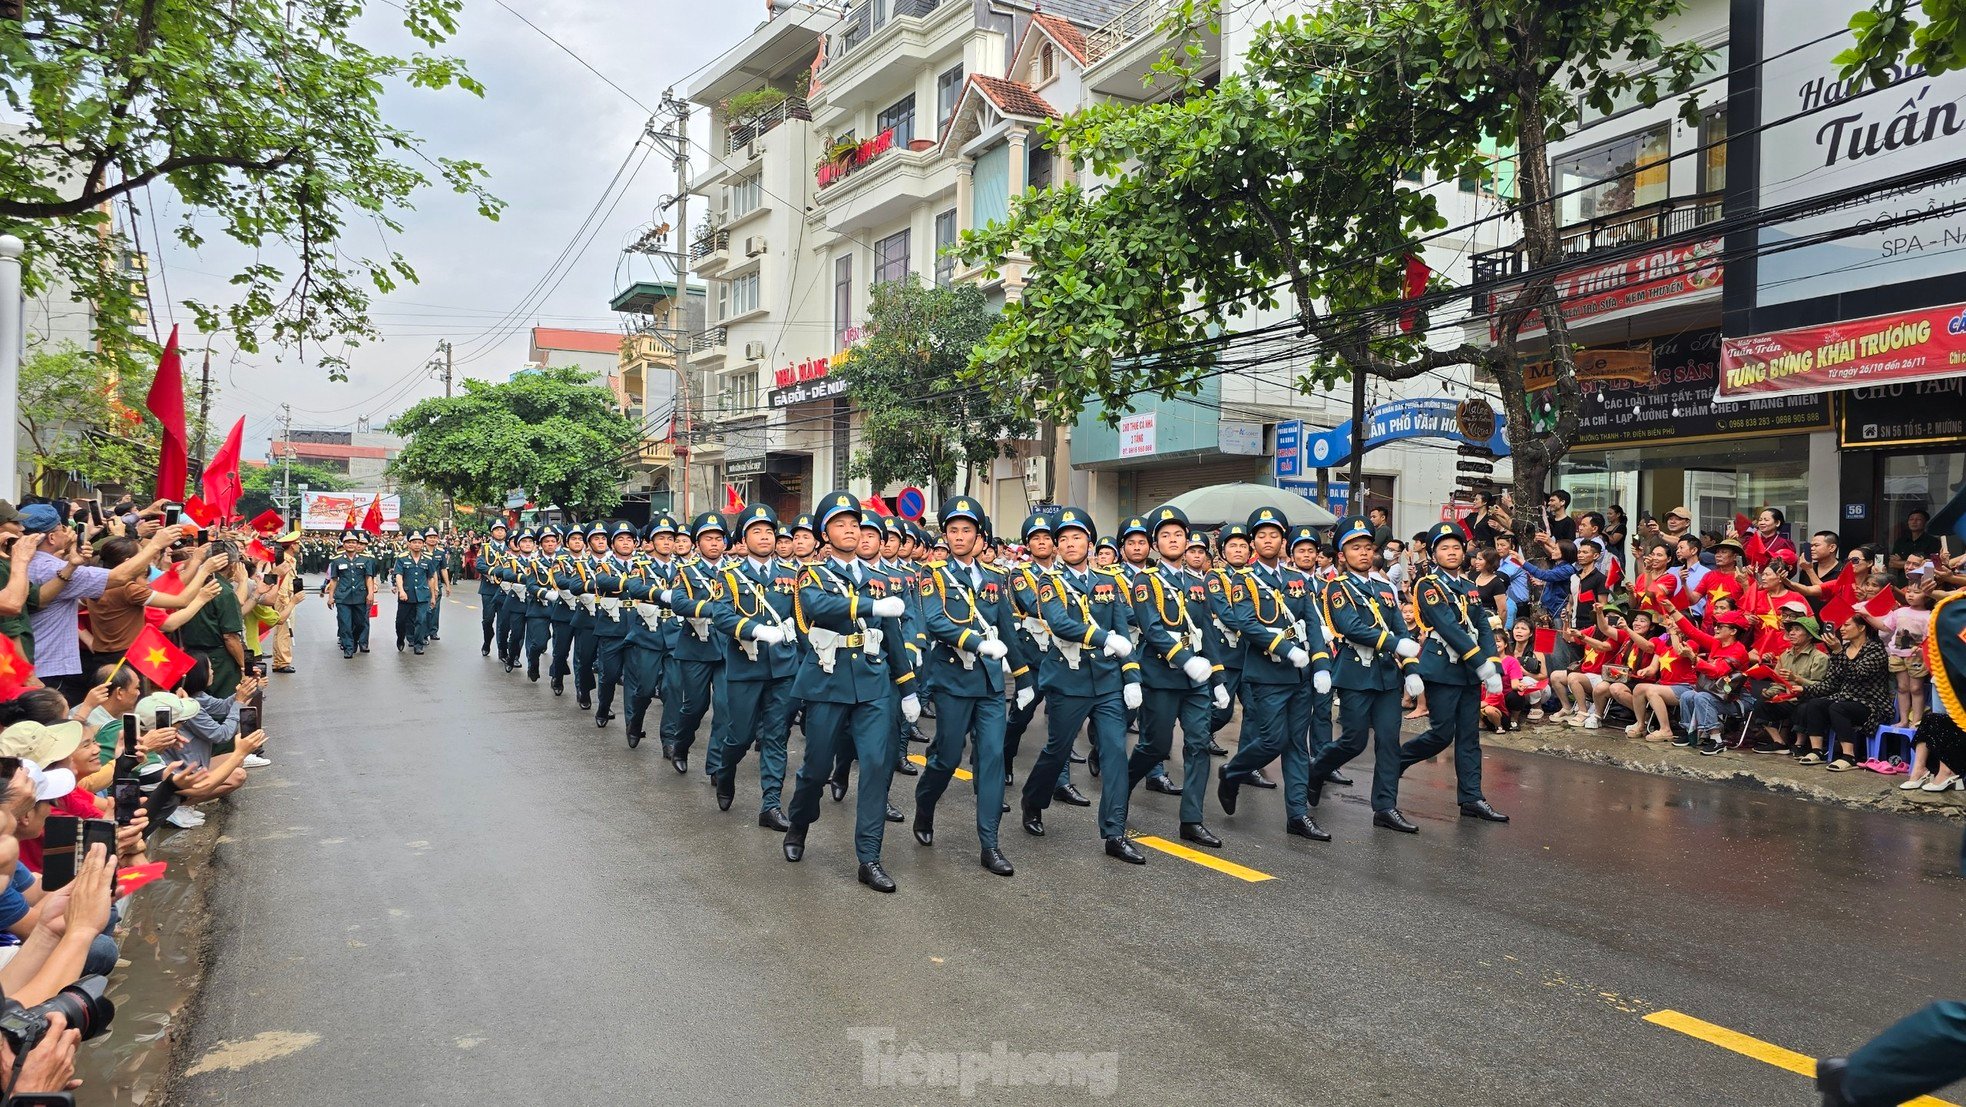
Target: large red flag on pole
point(221, 480)
point(166, 402)
point(372, 521)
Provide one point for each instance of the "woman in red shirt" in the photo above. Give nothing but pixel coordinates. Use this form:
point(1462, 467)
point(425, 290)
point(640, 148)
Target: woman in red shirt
point(1725, 655)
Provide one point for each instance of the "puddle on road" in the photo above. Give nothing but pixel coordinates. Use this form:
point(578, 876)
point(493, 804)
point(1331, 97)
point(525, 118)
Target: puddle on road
point(164, 933)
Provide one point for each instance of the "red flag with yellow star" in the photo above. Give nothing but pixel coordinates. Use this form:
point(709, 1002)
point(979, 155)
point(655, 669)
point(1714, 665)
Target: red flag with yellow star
point(15, 671)
point(157, 658)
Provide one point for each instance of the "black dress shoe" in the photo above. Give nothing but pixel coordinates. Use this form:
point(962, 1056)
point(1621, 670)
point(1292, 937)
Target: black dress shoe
point(1339, 779)
point(1093, 764)
point(283, 668)
point(726, 790)
point(509, 666)
point(1215, 749)
point(1829, 1081)
point(1303, 826)
point(365, 649)
point(484, 651)
point(837, 786)
point(1074, 758)
point(399, 645)
point(875, 877)
point(996, 862)
point(532, 673)
point(795, 843)
point(1227, 789)
point(925, 827)
point(583, 701)
point(907, 768)
point(1391, 819)
point(681, 763)
point(1125, 851)
point(347, 654)
point(1480, 809)
point(1069, 794)
point(915, 734)
point(774, 819)
point(1258, 780)
point(668, 748)
point(894, 814)
point(559, 685)
point(1200, 834)
point(1009, 778)
point(1164, 784)
point(417, 650)
point(635, 738)
point(1034, 822)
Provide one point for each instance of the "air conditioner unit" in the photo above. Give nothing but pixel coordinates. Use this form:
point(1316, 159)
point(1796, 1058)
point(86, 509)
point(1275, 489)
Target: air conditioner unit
point(754, 350)
point(754, 245)
point(752, 150)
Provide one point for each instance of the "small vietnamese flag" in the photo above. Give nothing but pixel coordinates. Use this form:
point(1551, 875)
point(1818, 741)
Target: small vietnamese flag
point(15, 671)
point(267, 522)
point(1837, 612)
point(200, 512)
point(257, 549)
point(136, 876)
point(169, 583)
point(1881, 604)
point(374, 610)
point(157, 658)
point(1741, 524)
point(1545, 640)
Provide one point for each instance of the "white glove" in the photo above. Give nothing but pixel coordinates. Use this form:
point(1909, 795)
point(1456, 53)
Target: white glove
point(1493, 683)
point(992, 648)
point(1197, 669)
point(1407, 647)
point(1487, 672)
point(1221, 697)
point(911, 706)
point(1298, 658)
point(1116, 645)
point(888, 607)
point(768, 634)
point(667, 596)
point(1321, 681)
point(1130, 696)
point(1024, 698)
point(1415, 687)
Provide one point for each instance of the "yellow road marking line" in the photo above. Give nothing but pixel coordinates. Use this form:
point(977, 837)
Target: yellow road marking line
point(1765, 1052)
point(961, 774)
point(1205, 860)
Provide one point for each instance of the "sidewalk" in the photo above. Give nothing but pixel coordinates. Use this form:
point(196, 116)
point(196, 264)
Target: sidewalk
point(1770, 773)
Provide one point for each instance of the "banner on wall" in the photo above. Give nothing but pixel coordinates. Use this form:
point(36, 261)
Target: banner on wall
point(329, 510)
point(1901, 348)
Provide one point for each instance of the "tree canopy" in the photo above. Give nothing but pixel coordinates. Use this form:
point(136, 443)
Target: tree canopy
point(263, 118)
point(1888, 34)
point(921, 422)
point(1289, 184)
point(554, 433)
point(78, 419)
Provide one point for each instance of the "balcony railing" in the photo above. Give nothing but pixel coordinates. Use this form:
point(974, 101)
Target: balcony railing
point(707, 342)
point(1142, 18)
point(707, 244)
point(1641, 224)
point(871, 16)
point(847, 164)
point(743, 131)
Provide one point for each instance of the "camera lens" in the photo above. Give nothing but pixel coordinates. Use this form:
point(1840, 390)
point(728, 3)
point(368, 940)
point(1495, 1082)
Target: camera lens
point(85, 1006)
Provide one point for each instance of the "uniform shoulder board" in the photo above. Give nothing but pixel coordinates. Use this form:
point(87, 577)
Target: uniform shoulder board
point(937, 563)
point(997, 569)
point(1112, 571)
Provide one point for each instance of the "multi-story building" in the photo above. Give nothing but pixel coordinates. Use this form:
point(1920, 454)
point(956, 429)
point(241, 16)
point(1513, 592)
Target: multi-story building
point(361, 455)
point(655, 322)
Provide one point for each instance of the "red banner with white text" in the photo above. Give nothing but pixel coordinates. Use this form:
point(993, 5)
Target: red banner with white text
point(1882, 349)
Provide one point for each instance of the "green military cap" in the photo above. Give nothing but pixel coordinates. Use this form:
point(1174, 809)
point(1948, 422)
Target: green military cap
point(1444, 531)
point(1035, 523)
point(1134, 524)
point(1268, 517)
point(836, 503)
point(709, 521)
point(1076, 519)
point(1165, 516)
point(961, 507)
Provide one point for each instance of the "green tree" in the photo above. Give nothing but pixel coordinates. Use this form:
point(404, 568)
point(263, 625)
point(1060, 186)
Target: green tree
point(80, 420)
point(264, 119)
point(262, 483)
point(555, 433)
point(420, 508)
point(921, 422)
point(1288, 183)
point(1888, 34)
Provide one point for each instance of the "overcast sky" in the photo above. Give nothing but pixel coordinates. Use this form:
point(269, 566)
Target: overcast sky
point(551, 134)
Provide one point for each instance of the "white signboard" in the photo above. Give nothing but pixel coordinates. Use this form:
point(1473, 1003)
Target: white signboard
point(332, 510)
point(1245, 439)
point(1137, 435)
point(1842, 142)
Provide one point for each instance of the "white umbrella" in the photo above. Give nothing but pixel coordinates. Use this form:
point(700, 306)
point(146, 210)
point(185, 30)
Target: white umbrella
point(1234, 503)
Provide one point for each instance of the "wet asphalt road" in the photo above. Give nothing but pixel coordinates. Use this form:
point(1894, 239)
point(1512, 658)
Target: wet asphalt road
point(453, 889)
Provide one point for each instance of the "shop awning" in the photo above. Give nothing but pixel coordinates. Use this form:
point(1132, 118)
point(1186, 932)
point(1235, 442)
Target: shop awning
point(1901, 348)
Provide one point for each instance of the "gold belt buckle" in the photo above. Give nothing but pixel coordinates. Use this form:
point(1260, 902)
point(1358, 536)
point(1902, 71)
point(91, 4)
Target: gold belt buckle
point(853, 641)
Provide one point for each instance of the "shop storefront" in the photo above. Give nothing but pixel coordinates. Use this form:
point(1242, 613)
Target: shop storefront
point(1904, 450)
point(1653, 444)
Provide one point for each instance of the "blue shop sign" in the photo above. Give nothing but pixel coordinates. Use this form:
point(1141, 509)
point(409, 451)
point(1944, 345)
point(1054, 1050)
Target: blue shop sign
point(1432, 417)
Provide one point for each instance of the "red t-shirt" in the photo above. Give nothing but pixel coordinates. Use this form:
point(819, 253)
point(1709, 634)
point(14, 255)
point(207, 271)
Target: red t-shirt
point(76, 805)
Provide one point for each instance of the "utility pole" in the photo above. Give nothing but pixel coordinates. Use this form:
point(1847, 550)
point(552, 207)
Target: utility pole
point(12, 341)
point(444, 369)
point(676, 139)
point(286, 456)
point(204, 405)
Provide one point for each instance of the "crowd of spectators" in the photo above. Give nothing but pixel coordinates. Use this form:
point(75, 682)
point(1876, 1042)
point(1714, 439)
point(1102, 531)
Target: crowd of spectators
point(1748, 637)
point(85, 594)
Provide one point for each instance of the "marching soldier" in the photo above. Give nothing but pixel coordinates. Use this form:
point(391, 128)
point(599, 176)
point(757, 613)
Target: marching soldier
point(489, 593)
point(538, 590)
point(1175, 674)
point(698, 654)
point(414, 578)
point(971, 633)
point(1374, 647)
point(844, 680)
point(1223, 641)
point(349, 590)
point(512, 570)
point(1304, 558)
point(562, 601)
point(440, 581)
point(646, 662)
point(760, 661)
point(1089, 614)
point(586, 611)
point(1282, 639)
point(1036, 640)
point(611, 579)
point(1457, 660)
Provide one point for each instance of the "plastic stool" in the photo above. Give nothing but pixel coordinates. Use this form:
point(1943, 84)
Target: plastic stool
point(1874, 749)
